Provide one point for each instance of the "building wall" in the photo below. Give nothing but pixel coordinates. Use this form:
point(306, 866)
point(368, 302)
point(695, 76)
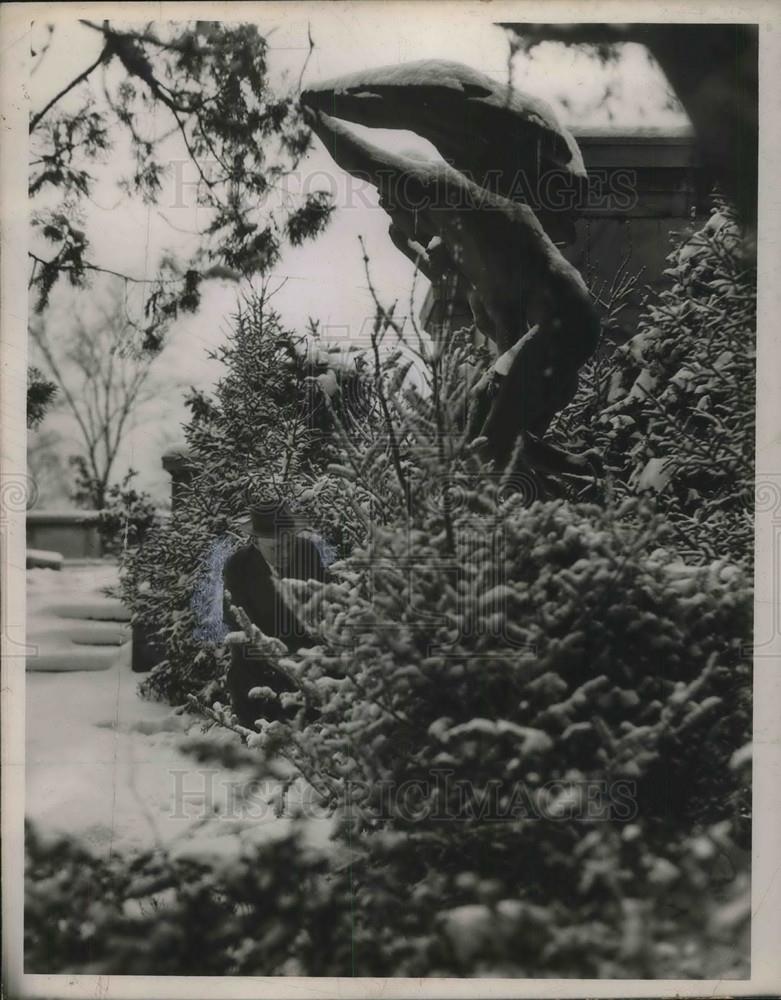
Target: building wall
point(646, 191)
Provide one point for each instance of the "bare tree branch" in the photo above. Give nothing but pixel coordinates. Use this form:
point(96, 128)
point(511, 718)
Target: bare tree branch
point(101, 384)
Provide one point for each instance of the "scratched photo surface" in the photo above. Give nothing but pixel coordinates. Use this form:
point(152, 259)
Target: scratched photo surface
point(390, 508)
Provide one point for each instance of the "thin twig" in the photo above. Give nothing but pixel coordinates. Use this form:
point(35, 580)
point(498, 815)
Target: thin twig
point(105, 52)
point(394, 444)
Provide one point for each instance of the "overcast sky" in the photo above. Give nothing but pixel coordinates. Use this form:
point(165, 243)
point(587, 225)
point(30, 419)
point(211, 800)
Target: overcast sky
point(325, 277)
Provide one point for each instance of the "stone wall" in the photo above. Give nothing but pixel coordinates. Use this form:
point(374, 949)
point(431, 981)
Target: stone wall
point(72, 533)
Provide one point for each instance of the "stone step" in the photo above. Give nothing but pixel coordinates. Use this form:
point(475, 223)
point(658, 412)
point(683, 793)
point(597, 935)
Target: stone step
point(75, 658)
point(96, 608)
point(62, 631)
point(42, 559)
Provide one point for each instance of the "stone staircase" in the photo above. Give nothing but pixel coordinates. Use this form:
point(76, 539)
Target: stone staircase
point(71, 624)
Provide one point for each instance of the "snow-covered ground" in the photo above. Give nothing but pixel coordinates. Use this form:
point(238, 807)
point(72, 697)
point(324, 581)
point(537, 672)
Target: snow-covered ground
point(106, 766)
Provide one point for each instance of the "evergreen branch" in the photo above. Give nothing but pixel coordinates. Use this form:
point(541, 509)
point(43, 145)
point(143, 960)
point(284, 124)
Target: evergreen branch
point(103, 270)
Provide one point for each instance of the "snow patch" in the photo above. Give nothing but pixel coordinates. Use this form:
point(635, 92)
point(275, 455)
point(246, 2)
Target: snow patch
point(109, 768)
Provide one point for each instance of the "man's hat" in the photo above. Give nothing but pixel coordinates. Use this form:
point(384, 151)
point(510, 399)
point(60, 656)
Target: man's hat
point(267, 518)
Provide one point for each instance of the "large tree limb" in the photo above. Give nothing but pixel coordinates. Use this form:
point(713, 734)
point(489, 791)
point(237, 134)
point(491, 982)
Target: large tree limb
point(513, 267)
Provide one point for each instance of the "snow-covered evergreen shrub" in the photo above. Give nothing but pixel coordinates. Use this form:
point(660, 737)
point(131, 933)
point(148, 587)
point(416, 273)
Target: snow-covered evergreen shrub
point(672, 410)
point(536, 705)
point(263, 434)
point(475, 629)
point(512, 708)
point(549, 640)
point(284, 909)
point(517, 692)
point(530, 716)
point(151, 914)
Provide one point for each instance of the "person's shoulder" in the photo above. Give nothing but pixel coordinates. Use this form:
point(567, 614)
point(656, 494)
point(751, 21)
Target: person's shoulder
point(238, 555)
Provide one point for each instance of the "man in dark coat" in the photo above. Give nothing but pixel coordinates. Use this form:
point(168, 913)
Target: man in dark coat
point(274, 550)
